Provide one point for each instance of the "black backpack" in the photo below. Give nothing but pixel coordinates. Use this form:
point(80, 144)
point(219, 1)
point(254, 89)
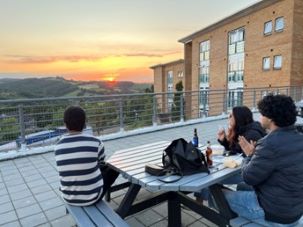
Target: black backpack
point(183, 158)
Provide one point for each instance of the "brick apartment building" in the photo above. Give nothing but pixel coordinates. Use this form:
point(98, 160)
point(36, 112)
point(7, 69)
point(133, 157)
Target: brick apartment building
point(258, 47)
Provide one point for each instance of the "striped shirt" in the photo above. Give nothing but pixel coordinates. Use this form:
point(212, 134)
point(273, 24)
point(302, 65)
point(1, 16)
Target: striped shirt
point(78, 157)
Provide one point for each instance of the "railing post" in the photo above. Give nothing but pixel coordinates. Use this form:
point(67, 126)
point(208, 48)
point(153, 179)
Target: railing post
point(224, 102)
point(154, 118)
point(254, 99)
point(22, 126)
point(204, 102)
point(181, 108)
point(121, 115)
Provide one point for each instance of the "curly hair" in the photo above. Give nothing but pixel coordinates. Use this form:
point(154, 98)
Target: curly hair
point(74, 118)
point(280, 109)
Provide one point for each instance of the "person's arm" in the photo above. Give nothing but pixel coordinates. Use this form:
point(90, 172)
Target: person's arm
point(224, 143)
point(257, 167)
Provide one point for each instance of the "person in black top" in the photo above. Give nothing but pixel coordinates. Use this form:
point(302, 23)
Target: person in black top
point(241, 123)
point(273, 167)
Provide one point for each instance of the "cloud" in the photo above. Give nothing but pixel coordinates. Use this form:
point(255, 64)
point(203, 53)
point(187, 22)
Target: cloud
point(23, 59)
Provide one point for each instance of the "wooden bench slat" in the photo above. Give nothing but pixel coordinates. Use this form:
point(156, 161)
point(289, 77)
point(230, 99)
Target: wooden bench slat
point(97, 217)
point(80, 216)
point(113, 217)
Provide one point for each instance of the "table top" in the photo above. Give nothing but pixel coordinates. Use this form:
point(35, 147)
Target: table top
point(131, 165)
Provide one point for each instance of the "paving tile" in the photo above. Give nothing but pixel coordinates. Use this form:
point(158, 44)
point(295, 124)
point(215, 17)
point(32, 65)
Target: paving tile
point(56, 213)
point(187, 219)
point(40, 189)
point(33, 177)
point(5, 207)
point(24, 202)
point(28, 211)
point(20, 195)
point(133, 222)
point(163, 223)
point(12, 224)
point(3, 191)
point(198, 224)
point(161, 209)
point(45, 196)
point(149, 217)
point(63, 221)
point(14, 182)
point(4, 199)
point(34, 220)
point(52, 179)
point(2, 186)
point(51, 203)
point(8, 217)
point(14, 189)
point(36, 183)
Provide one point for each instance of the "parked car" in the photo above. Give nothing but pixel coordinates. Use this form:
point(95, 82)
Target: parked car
point(299, 106)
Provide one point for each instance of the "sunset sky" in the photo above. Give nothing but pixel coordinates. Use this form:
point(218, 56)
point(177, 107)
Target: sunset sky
point(100, 39)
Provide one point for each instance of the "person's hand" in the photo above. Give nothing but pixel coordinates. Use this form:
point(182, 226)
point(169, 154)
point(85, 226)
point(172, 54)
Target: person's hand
point(247, 147)
point(221, 134)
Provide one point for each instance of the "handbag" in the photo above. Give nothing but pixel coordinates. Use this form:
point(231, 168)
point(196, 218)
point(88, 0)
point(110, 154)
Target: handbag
point(182, 158)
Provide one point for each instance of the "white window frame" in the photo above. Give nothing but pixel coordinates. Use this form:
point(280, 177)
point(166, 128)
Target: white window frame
point(279, 27)
point(269, 32)
point(264, 63)
point(279, 66)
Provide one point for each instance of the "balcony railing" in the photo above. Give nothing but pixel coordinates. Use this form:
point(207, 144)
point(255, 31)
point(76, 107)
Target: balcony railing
point(31, 122)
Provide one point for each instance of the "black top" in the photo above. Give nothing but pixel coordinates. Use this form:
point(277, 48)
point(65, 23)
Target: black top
point(276, 173)
point(252, 131)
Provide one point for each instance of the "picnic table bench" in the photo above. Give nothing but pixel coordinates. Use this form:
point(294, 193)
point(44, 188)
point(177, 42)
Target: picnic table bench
point(99, 214)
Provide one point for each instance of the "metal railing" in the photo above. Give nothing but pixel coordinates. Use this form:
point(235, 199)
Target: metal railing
point(32, 122)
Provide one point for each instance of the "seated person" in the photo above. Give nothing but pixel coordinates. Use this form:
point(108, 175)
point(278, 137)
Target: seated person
point(273, 167)
point(240, 123)
point(80, 158)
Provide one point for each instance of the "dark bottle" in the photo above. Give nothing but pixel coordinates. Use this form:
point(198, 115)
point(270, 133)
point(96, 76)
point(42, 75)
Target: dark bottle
point(209, 153)
point(195, 141)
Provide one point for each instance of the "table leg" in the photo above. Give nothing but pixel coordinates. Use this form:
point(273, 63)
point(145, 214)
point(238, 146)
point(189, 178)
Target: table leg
point(222, 205)
point(174, 211)
point(128, 200)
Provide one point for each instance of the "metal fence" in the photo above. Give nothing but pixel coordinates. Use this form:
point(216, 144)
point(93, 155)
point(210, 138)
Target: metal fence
point(34, 122)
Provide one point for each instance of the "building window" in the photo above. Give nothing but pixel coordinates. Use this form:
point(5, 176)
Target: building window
point(266, 63)
point(170, 85)
point(268, 28)
point(235, 98)
point(279, 24)
point(236, 41)
point(277, 62)
point(204, 51)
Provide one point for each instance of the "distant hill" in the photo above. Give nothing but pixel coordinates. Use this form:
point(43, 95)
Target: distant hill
point(58, 87)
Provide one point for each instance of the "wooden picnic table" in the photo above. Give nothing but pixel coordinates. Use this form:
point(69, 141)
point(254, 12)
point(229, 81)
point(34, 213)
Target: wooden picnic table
point(130, 163)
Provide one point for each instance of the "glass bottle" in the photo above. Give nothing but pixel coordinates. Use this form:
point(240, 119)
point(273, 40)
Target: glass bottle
point(195, 140)
point(209, 153)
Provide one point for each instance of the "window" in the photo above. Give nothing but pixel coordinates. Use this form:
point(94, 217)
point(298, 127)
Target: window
point(266, 63)
point(268, 28)
point(279, 25)
point(277, 62)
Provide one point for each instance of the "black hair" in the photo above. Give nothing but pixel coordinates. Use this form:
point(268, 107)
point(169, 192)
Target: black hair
point(281, 109)
point(243, 117)
point(74, 118)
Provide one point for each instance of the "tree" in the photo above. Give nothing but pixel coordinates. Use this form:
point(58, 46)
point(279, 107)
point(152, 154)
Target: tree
point(177, 104)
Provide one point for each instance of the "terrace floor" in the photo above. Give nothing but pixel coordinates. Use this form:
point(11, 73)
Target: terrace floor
point(29, 194)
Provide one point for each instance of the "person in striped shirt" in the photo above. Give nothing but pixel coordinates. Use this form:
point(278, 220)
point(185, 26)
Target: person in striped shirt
point(84, 176)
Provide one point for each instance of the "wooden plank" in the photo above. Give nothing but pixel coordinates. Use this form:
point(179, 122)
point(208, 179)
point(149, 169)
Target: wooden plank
point(97, 217)
point(80, 216)
point(209, 180)
point(159, 143)
point(144, 158)
point(133, 157)
point(111, 215)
